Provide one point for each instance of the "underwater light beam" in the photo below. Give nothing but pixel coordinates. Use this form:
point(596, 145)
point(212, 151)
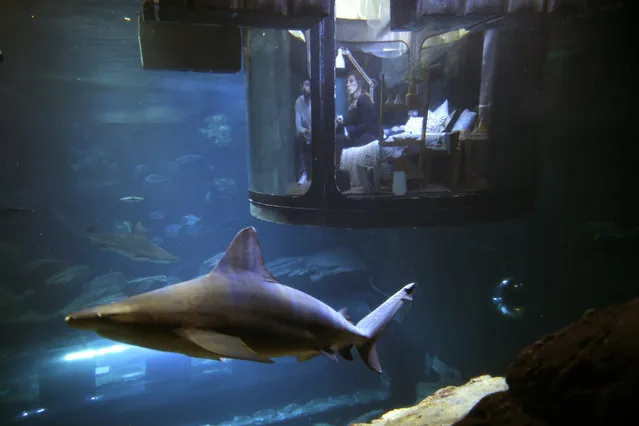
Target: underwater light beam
point(92, 353)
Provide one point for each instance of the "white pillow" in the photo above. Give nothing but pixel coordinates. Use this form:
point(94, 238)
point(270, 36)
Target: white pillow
point(436, 122)
point(437, 119)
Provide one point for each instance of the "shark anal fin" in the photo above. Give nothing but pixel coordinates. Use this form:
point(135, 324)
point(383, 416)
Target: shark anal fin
point(223, 345)
point(244, 254)
point(345, 353)
point(328, 353)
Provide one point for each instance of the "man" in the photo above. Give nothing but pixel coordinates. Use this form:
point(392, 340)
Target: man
point(303, 133)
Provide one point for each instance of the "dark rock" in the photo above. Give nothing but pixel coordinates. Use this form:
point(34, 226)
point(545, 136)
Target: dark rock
point(498, 409)
point(584, 374)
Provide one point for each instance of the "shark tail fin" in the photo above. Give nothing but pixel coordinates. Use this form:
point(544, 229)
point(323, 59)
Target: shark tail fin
point(374, 324)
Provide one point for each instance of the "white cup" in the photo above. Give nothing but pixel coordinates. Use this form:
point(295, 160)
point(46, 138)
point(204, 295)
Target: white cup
point(399, 183)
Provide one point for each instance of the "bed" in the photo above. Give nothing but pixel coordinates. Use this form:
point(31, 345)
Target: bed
point(402, 141)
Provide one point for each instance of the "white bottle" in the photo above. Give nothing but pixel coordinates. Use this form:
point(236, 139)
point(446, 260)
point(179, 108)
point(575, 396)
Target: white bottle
point(399, 183)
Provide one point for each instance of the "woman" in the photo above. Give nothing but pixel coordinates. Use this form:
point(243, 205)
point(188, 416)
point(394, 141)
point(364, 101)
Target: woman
point(360, 125)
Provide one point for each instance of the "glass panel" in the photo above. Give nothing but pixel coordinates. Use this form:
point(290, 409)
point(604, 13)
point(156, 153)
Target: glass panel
point(417, 158)
point(369, 97)
point(386, 147)
point(279, 111)
point(452, 158)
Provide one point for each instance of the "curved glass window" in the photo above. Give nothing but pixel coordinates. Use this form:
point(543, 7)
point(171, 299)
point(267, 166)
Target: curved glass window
point(279, 111)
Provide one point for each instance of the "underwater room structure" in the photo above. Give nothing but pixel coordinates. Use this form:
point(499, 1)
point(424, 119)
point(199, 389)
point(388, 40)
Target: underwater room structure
point(402, 165)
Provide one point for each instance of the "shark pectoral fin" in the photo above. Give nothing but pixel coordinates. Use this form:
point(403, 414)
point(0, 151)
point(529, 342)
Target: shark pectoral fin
point(221, 344)
point(306, 357)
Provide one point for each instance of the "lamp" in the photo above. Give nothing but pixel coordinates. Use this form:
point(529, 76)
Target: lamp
point(339, 59)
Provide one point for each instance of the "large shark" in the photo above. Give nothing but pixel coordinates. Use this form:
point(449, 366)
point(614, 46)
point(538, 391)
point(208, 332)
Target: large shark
point(240, 311)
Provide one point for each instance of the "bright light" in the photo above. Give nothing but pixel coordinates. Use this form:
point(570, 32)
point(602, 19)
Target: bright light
point(340, 63)
point(32, 412)
point(92, 353)
point(360, 9)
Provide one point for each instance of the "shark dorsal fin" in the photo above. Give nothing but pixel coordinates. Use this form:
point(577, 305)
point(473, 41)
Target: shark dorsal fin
point(244, 254)
point(138, 229)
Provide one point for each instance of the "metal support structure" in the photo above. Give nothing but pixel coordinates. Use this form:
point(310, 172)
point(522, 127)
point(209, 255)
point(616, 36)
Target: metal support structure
point(487, 79)
point(322, 42)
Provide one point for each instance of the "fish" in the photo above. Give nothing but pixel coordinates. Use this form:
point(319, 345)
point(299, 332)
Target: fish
point(239, 310)
point(134, 245)
point(140, 170)
point(188, 158)
point(189, 220)
point(132, 199)
point(156, 179)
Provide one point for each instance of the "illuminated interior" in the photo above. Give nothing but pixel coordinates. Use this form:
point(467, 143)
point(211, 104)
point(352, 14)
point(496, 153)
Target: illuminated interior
point(425, 100)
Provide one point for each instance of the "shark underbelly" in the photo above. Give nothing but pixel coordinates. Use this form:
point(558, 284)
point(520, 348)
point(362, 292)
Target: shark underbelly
point(159, 340)
point(288, 341)
point(285, 322)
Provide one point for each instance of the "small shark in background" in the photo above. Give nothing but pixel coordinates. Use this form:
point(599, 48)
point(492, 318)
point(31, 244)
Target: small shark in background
point(13, 211)
point(134, 245)
point(240, 311)
point(611, 231)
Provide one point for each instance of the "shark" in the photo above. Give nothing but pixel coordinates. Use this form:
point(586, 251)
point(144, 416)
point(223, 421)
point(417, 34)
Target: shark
point(239, 310)
point(134, 245)
point(13, 210)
